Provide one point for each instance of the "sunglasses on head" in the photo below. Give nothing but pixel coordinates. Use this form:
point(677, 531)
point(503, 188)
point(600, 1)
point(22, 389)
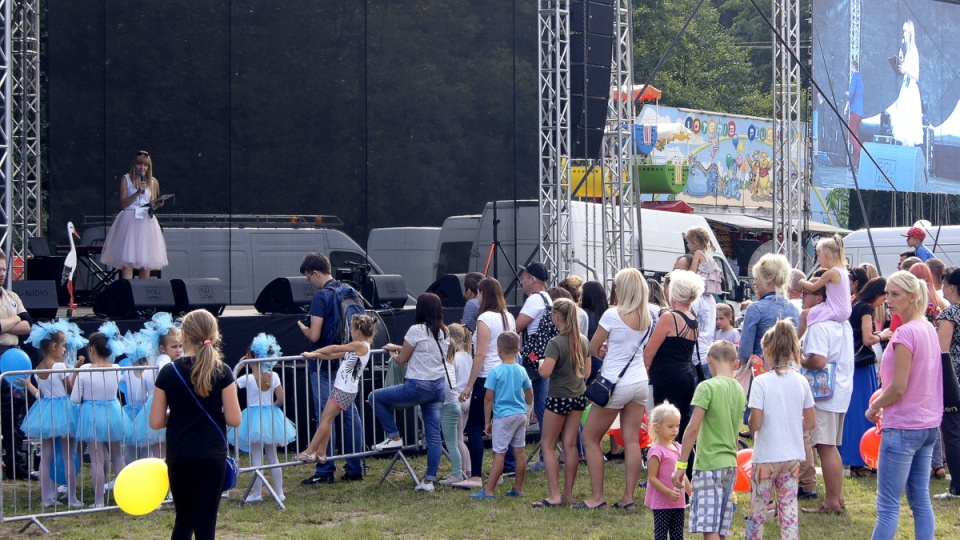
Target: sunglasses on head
point(143, 153)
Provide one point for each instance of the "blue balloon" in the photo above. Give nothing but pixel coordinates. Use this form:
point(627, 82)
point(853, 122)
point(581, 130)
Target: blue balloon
point(15, 360)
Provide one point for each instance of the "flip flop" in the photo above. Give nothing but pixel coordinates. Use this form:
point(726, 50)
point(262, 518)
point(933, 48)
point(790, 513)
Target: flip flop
point(628, 506)
point(582, 505)
point(515, 493)
point(545, 504)
point(821, 509)
point(482, 496)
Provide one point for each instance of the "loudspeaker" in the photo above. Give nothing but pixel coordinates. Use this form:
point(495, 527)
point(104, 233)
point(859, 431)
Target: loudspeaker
point(39, 298)
point(450, 290)
point(290, 295)
point(135, 298)
point(199, 293)
point(591, 53)
point(902, 165)
point(386, 290)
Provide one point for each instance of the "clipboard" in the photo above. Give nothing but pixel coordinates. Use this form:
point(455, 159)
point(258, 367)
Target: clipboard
point(162, 198)
point(895, 65)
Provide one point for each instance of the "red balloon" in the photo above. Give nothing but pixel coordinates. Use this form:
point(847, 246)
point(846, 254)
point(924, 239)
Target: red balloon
point(617, 434)
point(870, 447)
point(875, 396)
point(644, 433)
point(744, 470)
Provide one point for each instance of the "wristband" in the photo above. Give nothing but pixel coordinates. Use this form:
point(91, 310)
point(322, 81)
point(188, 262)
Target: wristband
point(682, 465)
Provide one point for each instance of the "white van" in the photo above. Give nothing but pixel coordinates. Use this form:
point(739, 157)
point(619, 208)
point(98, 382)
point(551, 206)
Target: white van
point(943, 241)
point(408, 251)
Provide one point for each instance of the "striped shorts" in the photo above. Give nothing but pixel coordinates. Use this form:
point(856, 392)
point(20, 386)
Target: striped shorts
point(711, 509)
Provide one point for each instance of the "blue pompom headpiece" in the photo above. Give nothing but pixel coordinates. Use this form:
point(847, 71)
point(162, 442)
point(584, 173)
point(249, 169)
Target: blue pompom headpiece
point(265, 346)
point(139, 345)
point(158, 326)
point(115, 342)
point(43, 331)
point(75, 339)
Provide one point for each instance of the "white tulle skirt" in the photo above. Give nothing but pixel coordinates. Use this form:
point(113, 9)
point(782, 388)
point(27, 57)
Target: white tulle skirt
point(134, 242)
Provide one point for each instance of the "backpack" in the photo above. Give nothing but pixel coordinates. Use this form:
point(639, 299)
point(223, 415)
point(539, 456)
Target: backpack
point(347, 304)
point(534, 345)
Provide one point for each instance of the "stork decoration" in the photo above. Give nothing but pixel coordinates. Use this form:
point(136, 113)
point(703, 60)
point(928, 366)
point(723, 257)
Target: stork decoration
point(69, 267)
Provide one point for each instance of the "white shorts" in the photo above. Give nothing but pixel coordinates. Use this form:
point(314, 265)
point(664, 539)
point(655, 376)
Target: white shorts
point(829, 430)
point(509, 432)
point(626, 393)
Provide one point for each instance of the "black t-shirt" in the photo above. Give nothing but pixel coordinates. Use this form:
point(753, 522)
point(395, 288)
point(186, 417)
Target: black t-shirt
point(190, 434)
point(860, 310)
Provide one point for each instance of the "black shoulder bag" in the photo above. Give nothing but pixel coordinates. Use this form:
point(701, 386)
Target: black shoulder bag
point(230, 475)
point(600, 390)
point(443, 361)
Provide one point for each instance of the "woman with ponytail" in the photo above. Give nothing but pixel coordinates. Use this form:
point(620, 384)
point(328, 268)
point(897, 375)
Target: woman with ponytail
point(196, 448)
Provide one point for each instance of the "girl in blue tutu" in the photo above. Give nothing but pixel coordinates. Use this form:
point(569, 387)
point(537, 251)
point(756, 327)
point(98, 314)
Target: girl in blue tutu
point(263, 426)
point(137, 386)
point(53, 417)
point(101, 422)
point(164, 335)
point(345, 387)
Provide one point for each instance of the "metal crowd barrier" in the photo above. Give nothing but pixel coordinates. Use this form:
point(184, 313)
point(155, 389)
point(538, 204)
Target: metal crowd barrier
point(300, 404)
point(20, 495)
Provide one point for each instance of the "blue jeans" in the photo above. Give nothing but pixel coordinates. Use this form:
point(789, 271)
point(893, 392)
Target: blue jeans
point(905, 464)
point(429, 395)
point(540, 389)
point(320, 385)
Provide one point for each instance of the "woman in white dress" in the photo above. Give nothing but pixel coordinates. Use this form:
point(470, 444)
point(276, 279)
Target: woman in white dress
point(135, 239)
point(906, 113)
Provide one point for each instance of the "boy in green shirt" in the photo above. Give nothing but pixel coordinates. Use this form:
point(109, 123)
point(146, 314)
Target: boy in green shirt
point(718, 410)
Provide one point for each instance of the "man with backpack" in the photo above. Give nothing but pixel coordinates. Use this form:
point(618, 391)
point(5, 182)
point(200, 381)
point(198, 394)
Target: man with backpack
point(533, 280)
point(324, 330)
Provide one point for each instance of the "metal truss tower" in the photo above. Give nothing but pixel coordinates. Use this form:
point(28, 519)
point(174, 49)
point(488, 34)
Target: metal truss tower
point(554, 81)
point(620, 209)
point(790, 174)
point(20, 137)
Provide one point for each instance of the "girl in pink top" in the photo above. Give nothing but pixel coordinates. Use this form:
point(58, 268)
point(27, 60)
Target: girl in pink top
point(837, 307)
point(666, 501)
point(912, 404)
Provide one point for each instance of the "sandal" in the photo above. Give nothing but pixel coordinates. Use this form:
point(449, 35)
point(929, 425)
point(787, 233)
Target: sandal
point(546, 504)
point(628, 506)
point(821, 509)
point(938, 472)
point(862, 472)
point(307, 457)
point(582, 505)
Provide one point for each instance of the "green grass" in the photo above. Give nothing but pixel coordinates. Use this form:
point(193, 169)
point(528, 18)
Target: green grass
point(362, 510)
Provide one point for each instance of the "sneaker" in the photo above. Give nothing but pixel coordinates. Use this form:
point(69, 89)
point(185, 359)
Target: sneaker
point(536, 467)
point(108, 486)
point(425, 486)
point(508, 474)
point(253, 499)
point(482, 495)
point(801, 494)
point(350, 477)
point(946, 496)
point(326, 478)
point(450, 480)
point(388, 444)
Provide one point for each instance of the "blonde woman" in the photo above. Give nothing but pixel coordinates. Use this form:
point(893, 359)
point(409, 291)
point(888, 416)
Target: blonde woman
point(625, 329)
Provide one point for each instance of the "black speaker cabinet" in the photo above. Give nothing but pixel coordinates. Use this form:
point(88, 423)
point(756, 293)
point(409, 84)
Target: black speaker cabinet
point(39, 297)
point(385, 291)
point(450, 290)
point(286, 295)
point(199, 293)
point(135, 298)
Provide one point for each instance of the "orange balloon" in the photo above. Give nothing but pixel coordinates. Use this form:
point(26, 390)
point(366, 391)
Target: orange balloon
point(870, 447)
point(744, 470)
point(618, 435)
point(875, 396)
point(644, 433)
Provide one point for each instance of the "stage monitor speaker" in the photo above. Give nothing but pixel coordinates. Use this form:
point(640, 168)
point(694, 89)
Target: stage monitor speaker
point(199, 293)
point(135, 298)
point(450, 290)
point(290, 295)
point(385, 291)
point(903, 166)
point(39, 297)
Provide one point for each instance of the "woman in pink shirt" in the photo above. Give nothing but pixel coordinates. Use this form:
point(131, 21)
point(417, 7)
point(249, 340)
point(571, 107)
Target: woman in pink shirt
point(912, 405)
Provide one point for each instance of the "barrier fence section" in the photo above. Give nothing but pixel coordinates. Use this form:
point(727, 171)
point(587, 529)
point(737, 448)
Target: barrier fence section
point(306, 385)
point(45, 445)
point(101, 418)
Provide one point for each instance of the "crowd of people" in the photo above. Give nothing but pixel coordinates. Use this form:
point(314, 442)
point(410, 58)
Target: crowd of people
point(808, 367)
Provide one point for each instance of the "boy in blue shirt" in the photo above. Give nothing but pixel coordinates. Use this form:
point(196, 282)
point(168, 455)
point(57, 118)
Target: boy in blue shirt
point(507, 407)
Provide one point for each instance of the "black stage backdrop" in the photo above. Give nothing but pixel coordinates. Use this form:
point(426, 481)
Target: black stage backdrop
point(383, 113)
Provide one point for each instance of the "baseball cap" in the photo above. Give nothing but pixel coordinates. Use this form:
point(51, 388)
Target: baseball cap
point(537, 270)
point(915, 232)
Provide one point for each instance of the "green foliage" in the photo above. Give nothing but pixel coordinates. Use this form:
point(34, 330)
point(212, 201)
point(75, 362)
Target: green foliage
point(707, 70)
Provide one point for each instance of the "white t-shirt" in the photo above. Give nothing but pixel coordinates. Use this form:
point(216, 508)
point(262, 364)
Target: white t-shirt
point(427, 361)
point(95, 384)
point(350, 370)
point(53, 386)
point(623, 343)
point(782, 398)
point(163, 360)
point(463, 363)
point(705, 310)
point(583, 320)
point(533, 308)
point(494, 322)
point(139, 388)
point(833, 340)
point(255, 396)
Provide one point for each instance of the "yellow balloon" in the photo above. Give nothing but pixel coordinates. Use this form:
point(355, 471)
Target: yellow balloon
point(740, 147)
point(141, 486)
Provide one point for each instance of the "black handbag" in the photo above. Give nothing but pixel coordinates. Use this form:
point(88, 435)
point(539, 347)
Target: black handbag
point(865, 356)
point(232, 469)
point(600, 390)
point(951, 388)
